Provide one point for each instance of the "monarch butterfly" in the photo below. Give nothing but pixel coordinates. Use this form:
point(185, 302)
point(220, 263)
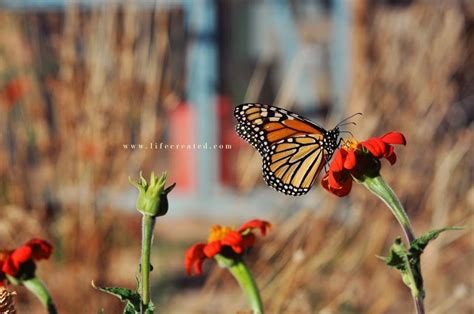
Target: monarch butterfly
point(294, 150)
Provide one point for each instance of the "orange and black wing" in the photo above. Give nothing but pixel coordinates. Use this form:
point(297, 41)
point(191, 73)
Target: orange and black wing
point(292, 164)
point(293, 148)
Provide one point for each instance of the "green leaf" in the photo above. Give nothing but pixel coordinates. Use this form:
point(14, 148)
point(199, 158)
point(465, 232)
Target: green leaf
point(397, 256)
point(408, 261)
point(130, 309)
point(132, 298)
point(418, 246)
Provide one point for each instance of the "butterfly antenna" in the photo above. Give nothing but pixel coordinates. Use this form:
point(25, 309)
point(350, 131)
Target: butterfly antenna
point(349, 132)
point(349, 117)
point(342, 124)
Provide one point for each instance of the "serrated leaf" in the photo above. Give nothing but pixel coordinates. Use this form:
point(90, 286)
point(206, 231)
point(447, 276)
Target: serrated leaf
point(418, 246)
point(130, 309)
point(150, 307)
point(132, 298)
point(408, 262)
point(397, 256)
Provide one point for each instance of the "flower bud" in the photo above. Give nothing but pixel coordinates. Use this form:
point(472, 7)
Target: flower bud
point(152, 199)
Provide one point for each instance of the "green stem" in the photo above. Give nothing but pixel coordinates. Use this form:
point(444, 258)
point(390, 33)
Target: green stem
point(383, 191)
point(148, 223)
point(247, 283)
point(38, 288)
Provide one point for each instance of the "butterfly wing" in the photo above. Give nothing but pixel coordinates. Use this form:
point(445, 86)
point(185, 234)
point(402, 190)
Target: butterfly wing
point(291, 146)
point(292, 164)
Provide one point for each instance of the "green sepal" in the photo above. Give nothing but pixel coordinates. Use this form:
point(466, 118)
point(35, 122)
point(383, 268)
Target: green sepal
point(13, 280)
point(132, 299)
point(225, 262)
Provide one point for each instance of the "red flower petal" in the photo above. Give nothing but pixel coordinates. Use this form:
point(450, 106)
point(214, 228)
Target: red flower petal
point(350, 161)
point(194, 257)
point(333, 179)
point(249, 240)
point(19, 256)
point(256, 223)
point(233, 239)
point(40, 249)
point(346, 189)
point(239, 249)
point(337, 163)
point(340, 190)
point(22, 254)
point(375, 146)
point(212, 249)
point(10, 267)
point(390, 155)
point(394, 138)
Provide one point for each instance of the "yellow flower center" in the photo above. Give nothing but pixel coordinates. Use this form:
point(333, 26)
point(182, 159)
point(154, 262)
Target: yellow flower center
point(218, 232)
point(350, 144)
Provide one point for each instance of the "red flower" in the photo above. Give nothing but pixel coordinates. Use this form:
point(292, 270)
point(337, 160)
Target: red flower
point(3, 257)
point(382, 146)
point(356, 160)
point(19, 263)
point(40, 249)
point(226, 241)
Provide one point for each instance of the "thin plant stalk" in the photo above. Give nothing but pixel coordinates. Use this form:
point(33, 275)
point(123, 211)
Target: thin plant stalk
point(38, 288)
point(246, 281)
point(382, 190)
point(148, 223)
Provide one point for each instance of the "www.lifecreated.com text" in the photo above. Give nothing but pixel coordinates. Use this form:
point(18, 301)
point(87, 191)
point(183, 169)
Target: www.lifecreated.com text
point(157, 146)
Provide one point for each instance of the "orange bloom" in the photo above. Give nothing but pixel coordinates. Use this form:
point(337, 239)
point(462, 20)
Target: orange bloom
point(356, 160)
point(226, 241)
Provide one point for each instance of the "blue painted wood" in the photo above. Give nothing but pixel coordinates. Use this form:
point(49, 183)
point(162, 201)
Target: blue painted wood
point(61, 4)
point(292, 50)
point(202, 74)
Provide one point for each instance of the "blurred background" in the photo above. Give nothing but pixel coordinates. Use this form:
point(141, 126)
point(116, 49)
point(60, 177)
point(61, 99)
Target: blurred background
point(91, 92)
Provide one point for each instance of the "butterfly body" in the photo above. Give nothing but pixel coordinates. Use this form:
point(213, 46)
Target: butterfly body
point(294, 149)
